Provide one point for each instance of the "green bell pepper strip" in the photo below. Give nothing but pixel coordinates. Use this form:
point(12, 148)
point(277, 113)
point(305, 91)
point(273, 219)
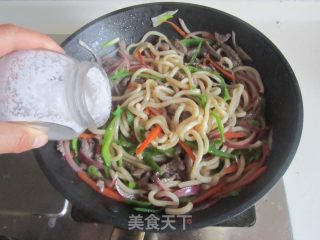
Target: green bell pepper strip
point(125, 143)
point(106, 172)
point(108, 136)
point(74, 146)
point(196, 52)
point(200, 99)
point(224, 89)
point(138, 203)
point(119, 74)
point(93, 172)
point(148, 159)
point(220, 125)
point(218, 153)
point(130, 118)
point(120, 162)
point(132, 185)
point(188, 42)
point(147, 210)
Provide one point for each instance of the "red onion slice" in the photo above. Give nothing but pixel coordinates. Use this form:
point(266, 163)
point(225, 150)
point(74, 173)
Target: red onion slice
point(89, 161)
point(241, 144)
point(188, 191)
point(68, 157)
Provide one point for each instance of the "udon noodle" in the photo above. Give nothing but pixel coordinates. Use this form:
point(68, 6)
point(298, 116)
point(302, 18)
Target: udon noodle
point(187, 128)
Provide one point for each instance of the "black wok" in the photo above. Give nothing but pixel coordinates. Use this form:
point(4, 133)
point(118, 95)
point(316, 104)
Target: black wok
point(284, 111)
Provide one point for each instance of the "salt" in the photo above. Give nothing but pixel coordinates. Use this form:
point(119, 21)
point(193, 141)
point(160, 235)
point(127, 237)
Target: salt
point(52, 91)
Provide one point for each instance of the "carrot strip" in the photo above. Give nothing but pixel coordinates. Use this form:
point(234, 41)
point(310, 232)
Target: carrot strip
point(187, 149)
point(216, 65)
point(153, 134)
point(87, 135)
point(231, 169)
point(230, 135)
point(106, 191)
point(140, 57)
point(208, 194)
point(177, 28)
point(223, 188)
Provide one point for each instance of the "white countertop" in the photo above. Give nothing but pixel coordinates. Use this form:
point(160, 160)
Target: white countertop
point(294, 26)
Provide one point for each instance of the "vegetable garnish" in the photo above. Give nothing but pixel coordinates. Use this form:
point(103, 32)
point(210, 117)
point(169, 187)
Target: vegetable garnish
point(196, 52)
point(140, 57)
point(177, 28)
point(158, 20)
point(120, 74)
point(152, 135)
point(147, 210)
point(148, 159)
point(138, 203)
point(106, 191)
point(187, 149)
point(87, 135)
point(220, 69)
point(108, 136)
point(220, 125)
point(216, 152)
point(94, 172)
point(74, 146)
point(111, 42)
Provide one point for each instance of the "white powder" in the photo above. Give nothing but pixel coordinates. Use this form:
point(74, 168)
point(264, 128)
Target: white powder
point(33, 89)
point(98, 96)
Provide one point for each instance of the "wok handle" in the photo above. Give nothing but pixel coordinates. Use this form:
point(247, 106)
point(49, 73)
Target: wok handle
point(122, 234)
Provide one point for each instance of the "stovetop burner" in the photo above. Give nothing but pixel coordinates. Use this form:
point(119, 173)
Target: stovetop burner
point(30, 208)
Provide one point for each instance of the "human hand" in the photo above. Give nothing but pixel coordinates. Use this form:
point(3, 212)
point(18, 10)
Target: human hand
point(15, 138)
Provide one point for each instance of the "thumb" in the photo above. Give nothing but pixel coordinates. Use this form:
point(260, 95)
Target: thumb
point(15, 138)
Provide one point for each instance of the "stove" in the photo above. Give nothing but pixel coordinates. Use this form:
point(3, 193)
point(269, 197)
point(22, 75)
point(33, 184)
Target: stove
point(30, 208)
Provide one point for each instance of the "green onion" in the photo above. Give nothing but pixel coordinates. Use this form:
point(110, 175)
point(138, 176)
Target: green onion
point(132, 185)
point(218, 153)
point(148, 159)
point(120, 74)
point(196, 53)
point(138, 203)
point(158, 20)
point(111, 42)
point(220, 125)
point(74, 146)
point(108, 136)
point(147, 210)
point(93, 172)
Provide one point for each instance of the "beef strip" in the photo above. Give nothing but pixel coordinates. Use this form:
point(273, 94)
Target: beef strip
point(174, 168)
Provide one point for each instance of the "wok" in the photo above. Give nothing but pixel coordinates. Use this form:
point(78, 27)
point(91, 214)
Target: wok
point(284, 111)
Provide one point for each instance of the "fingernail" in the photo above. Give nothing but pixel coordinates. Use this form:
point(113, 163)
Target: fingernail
point(39, 141)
